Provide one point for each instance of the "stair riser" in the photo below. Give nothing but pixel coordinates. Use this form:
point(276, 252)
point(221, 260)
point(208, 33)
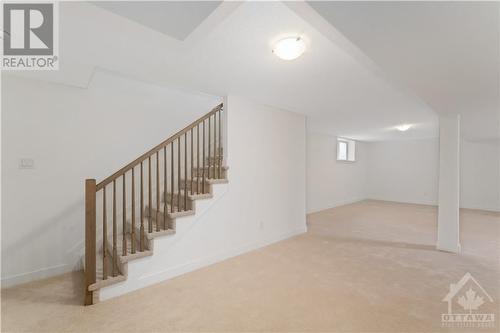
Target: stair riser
point(159, 216)
point(164, 264)
point(121, 268)
point(215, 172)
point(197, 187)
point(125, 259)
point(215, 155)
point(188, 188)
point(179, 201)
point(146, 241)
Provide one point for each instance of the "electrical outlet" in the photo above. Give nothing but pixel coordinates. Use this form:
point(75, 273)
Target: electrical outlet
point(26, 163)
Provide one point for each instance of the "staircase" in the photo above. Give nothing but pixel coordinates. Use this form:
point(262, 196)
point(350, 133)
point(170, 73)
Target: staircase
point(145, 199)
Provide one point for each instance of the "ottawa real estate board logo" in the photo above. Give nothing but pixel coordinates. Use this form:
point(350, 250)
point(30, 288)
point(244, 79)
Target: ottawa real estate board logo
point(469, 305)
point(30, 36)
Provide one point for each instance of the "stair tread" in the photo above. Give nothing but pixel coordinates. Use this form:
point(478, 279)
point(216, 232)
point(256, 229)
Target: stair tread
point(171, 214)
point(176, 214)
point(119, 246)
point(223, 167)
point(194, 196)
point(217, 180)
point(154, 234)
point(207, 177)
point(208, 180)
point(151, 235)
point(100, 281)
point(110, 280)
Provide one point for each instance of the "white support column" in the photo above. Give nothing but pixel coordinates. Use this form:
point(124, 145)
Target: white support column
point(449, 184)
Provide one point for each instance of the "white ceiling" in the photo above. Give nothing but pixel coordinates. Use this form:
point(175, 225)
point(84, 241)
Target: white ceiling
point(445, 52)
point(174, 18)
point(336, 92)
point(340, 90)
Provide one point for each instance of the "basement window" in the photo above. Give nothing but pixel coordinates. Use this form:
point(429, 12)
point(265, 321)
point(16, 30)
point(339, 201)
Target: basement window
point(346, 150)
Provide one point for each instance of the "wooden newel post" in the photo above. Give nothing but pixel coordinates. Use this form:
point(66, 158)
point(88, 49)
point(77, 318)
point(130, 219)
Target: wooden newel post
point(90, 238)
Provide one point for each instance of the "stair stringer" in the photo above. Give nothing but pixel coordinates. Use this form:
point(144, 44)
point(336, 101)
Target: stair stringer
point(166, 261)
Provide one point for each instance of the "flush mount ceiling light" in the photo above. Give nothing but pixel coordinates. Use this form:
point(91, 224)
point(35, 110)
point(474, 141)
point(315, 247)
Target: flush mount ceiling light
point(403, 127)
point(289, 48)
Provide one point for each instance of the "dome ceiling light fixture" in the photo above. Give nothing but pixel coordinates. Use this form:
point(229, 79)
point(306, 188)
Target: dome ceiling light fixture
point(403, 127)
point(289, 48)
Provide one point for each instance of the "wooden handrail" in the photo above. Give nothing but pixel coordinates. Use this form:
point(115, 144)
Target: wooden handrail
point(184, 178)
point(152, 151)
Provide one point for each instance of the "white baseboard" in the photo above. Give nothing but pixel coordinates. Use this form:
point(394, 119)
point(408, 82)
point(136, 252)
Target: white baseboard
point(415, 202)
point(38, 274)
point(156, 277)
point(456, 249)
point(435, 204)
point(481, 209)
point(336, 204)
point(223, 255)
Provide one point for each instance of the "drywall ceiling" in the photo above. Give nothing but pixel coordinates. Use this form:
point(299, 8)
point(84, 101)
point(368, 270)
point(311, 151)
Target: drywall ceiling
point(445, 52)
point(230, 53)
point(336, 92)
point(176, 19)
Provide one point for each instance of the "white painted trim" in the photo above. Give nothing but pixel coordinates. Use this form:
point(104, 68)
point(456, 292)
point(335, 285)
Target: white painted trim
point(351, 201)
point(452, 250)
point(147, 280)
point(218, 257)
point(482, 210)
point(38, 274)
point(337, 204)
point(414, 202)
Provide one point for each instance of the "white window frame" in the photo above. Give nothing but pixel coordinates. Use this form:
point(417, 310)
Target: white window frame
point(350, 150)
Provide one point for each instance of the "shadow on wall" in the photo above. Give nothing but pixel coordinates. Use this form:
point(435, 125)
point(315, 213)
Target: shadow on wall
point(47, 228)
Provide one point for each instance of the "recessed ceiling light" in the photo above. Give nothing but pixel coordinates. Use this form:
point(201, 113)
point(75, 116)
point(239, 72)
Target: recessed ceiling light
point(289, 48)
point(403, 127)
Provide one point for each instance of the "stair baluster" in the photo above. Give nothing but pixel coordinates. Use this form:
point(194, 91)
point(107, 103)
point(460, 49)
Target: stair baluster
point(165, 188)
point(215, 148)
point(191, 163)
point(115, 250)
point(132, 228)
point(141, 241)
point(157, 191)
point(203, 180)
point(172, 182)
point(185, 171)
point(171, 194)
point(198, 159)
point(178, 174)
point(124, 219)
point(150, 199)
point(209, 151)
point(104, 237)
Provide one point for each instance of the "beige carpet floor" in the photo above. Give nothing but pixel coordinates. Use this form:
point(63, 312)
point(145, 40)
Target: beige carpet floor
point(365, 267)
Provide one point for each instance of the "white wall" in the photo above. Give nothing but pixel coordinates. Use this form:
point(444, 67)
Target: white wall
point(401, 171)
point(404, 171)
point(263, 202)
point(72, 134)
point(331, 183)
point(480, 179)
point(408, 171)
